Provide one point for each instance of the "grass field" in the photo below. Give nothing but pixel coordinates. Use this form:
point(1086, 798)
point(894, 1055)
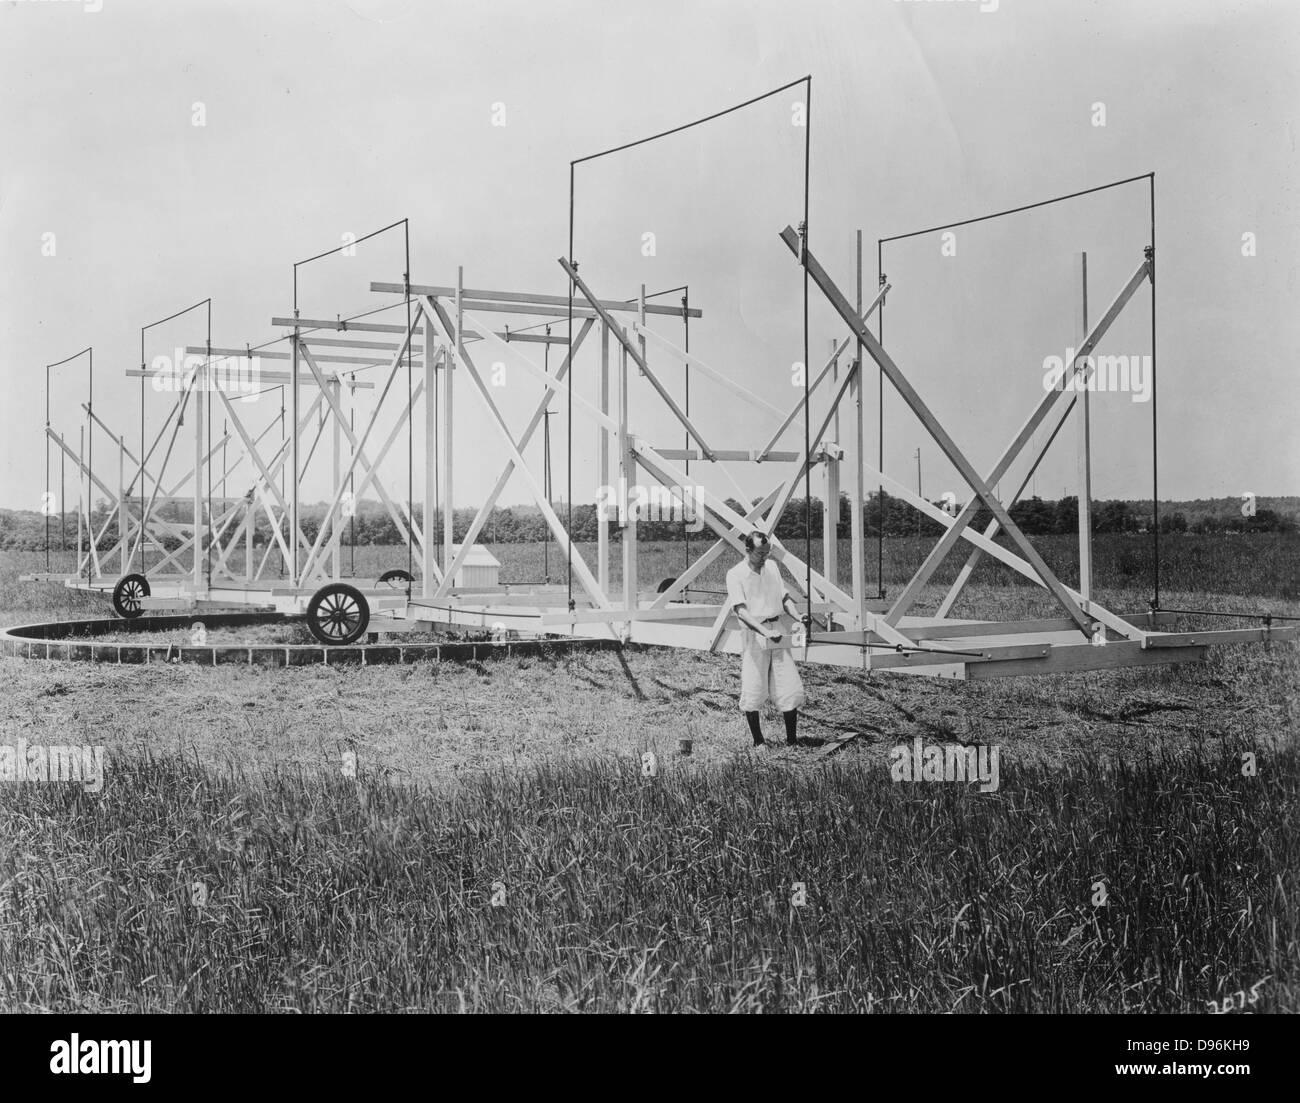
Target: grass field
point(523, 780)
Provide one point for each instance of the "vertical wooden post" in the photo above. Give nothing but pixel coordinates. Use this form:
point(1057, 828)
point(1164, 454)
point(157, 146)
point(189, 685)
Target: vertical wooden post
point(81, 487)
point(602, 454)
point(250, 511)
point(631, 580)
point(830, 519)
point(448, 381)
point(63, 504)
point(294, 473)
point(626, 481)
point(831, 493)
point(1084, 449)
point(855, 475)
point(428, 585)
point(336, 449)
point(640, 317)
point(122, 527)
point(200, 401)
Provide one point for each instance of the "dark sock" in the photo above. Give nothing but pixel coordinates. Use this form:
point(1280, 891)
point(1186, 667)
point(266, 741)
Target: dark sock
point(791, 719)
point(754, 729)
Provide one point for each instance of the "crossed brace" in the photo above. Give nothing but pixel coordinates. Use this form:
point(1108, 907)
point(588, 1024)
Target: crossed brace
point(729, 525)
point(1081, 612)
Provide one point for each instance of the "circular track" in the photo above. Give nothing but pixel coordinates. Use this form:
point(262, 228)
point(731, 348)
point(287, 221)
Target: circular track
point(127, 594)
point(338, 614)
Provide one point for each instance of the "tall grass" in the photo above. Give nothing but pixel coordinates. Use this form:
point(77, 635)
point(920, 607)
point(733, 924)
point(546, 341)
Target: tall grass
point(620, 892)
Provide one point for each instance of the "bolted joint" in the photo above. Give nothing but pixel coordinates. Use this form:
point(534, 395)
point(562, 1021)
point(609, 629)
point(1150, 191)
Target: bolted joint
point(1149, 251)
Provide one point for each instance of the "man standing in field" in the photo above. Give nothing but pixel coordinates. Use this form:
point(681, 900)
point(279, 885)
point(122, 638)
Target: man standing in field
point(757, 596)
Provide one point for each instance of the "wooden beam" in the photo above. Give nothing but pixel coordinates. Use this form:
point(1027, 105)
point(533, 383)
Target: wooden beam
point(623, 340)
point(982, 488)
point(567, 548)
point(394, 365)
point(991, 530)
point(646, 333)
point(304, 378)
point(1015, 562)
point(429, 559)
point(1083, 446)
point(485, 510)
point(1114, 656)
point(728, 455)
point(602, 462)
point(701, 564)
point(353, 343)
point(857, 491)
point(358, 455)
point(825, 371)
point(524, 299)
point(551, 382)
point(325, 358)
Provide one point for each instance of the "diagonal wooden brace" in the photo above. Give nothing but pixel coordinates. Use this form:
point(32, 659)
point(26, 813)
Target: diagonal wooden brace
point(638, 359)
point(982, 490)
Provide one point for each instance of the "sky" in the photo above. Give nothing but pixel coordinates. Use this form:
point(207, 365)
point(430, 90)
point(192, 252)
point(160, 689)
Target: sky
point(325, 119)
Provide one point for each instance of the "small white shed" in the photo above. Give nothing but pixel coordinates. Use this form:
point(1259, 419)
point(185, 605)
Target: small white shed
point(480, 569)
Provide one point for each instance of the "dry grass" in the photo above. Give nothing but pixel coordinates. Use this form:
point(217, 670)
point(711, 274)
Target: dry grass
point(626, 893)
point(594, 888)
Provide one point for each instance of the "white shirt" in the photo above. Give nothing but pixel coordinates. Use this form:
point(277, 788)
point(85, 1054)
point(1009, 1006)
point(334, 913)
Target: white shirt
point(761, 594)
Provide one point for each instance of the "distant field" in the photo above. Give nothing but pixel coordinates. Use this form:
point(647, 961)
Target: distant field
point(1264, 565)
point(672, 893)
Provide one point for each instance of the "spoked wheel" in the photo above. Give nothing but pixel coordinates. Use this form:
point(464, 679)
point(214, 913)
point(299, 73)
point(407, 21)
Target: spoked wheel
point(388, 578)
point(338, 614)
point(127, 596)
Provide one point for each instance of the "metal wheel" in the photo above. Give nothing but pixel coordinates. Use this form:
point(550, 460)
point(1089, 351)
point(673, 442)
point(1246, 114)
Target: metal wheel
point(395, 575)
point(338, 614)
point(127, 594)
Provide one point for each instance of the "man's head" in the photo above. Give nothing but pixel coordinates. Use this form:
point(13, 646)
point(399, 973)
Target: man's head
point(757, 549)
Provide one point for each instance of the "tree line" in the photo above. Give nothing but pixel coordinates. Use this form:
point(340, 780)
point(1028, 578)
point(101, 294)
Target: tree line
point(882, 512)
